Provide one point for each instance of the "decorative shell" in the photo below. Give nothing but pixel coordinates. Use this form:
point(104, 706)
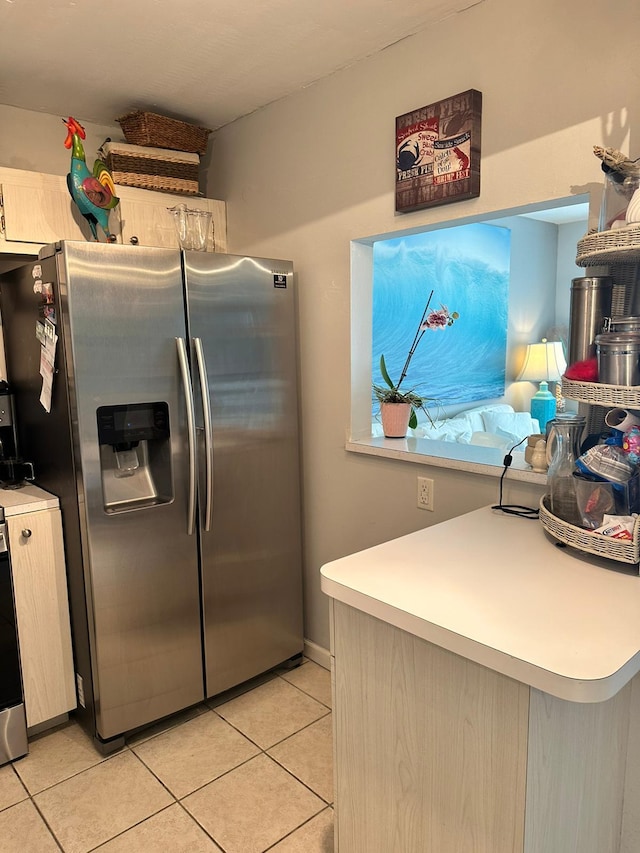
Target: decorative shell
point(633, 210)
point(615, 161)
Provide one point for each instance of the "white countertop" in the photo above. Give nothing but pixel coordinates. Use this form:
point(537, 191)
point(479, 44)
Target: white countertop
point(28, 498)
point(497, 590)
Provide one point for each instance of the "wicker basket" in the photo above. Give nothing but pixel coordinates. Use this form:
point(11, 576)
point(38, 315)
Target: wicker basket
point(598, 394)
point(620, 245)
point(156, 131)
point(621, 550)
point(152, 168)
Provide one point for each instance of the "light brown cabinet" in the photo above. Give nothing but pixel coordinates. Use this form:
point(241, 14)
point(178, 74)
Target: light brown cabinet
point(42, 612)
point(434, 752)
point(36, 209)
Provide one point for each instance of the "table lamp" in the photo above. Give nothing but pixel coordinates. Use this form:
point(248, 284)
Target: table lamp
point(544, 362)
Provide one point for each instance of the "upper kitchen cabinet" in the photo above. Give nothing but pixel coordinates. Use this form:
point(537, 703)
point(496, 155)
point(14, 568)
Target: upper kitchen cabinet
point(36, 209)
point(142, 217)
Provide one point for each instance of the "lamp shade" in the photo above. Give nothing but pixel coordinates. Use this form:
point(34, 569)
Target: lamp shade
point(543, 361)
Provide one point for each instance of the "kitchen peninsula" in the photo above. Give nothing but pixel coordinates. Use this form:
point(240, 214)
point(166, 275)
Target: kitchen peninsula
point(484, 680)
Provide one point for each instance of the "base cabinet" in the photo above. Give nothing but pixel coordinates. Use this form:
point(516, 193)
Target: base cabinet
point(437, 754)
point(42, 611)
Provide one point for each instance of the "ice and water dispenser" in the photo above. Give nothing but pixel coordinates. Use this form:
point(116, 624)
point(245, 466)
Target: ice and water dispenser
point(135, 456)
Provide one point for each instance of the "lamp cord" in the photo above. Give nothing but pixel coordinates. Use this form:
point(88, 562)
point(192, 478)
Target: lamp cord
point(513, 509)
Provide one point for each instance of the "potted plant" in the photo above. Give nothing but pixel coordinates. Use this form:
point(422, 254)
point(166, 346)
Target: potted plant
point(398, 408)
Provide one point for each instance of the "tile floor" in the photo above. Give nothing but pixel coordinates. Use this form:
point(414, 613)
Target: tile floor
point(244, 773)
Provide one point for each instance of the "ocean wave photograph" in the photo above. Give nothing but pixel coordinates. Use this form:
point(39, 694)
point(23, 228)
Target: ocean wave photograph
point(467, 268)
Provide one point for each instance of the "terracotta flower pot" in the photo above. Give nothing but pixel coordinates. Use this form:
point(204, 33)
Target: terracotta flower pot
point(395, 419)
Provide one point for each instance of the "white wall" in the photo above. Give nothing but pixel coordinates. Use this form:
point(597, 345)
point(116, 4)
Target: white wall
point(35, 141)
point(531, 299)
point(307, 175)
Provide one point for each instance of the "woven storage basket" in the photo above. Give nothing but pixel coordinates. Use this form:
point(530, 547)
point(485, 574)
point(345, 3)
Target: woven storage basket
point(597, 394)
point(624, 551)
point(620, 245)
point(156, 131)
point(153, 168)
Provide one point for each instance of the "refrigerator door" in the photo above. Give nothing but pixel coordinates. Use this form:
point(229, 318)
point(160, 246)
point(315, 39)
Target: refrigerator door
point(123, 311)
point(241, 318)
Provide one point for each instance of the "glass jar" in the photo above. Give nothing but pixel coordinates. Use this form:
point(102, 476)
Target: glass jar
point(563, 449)
point(616, 196)
point(192, 227)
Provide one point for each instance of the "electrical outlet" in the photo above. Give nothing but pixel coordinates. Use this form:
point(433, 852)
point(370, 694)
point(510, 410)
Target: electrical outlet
point(425, 493)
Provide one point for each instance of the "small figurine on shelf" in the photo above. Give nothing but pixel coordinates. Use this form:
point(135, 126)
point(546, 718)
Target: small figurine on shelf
point(539, 457)
point(95, 194)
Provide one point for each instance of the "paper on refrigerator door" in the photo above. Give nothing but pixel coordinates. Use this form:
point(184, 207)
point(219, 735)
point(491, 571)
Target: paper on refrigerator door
point(47, 365)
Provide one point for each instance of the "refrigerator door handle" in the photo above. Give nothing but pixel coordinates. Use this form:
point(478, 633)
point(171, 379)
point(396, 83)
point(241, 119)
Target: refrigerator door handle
point(191, 431)
point(208, 439)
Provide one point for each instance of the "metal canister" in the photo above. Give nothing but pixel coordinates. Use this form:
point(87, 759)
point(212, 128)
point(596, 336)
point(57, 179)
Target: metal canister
point(590, 303)
point(621, 324)
point(618, 355)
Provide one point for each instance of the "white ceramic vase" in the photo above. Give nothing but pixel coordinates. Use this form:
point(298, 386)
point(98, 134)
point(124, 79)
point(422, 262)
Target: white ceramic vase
point(633, 210)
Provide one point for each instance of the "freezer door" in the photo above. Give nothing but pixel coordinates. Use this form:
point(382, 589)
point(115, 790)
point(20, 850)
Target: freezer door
point(123, 309)
point(241, 316)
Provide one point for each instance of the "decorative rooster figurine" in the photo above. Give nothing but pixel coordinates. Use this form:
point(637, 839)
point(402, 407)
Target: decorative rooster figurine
point(95, 194)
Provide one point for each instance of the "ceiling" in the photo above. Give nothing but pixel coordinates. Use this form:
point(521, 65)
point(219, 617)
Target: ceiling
point(204, 61)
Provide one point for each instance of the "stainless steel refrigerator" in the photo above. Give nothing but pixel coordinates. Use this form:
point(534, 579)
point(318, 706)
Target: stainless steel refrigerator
point(156, 394)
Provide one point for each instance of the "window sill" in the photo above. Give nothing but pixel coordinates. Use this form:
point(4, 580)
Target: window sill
point(446, 454)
